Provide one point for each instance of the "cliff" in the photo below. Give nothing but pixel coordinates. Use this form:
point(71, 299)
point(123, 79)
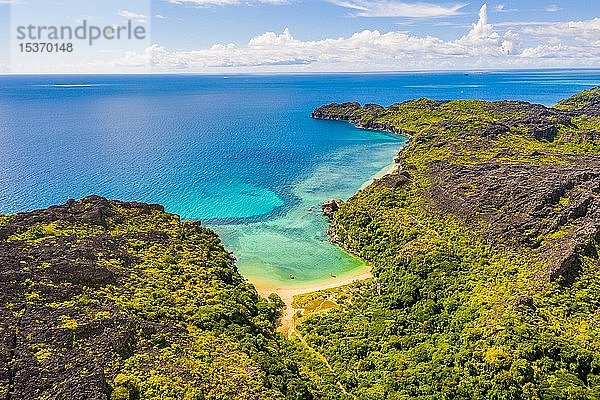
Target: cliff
point(484, 248)
point(520, 174)
point(102, 299)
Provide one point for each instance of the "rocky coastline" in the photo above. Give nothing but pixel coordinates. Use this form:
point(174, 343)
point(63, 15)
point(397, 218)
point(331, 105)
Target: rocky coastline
point(514, 193)
point(484, 247)
point(484, 243)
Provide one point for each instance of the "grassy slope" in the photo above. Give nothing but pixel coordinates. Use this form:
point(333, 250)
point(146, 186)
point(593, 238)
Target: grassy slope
point(451, 315)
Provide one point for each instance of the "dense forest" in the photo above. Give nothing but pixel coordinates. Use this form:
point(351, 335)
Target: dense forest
point(102, 299)
point(484, 247)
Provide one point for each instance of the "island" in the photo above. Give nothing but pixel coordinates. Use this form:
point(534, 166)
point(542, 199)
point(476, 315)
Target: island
point(483, 241)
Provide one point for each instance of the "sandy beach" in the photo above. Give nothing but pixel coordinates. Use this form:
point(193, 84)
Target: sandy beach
point(390, 169)
point(287, 295)
point(287, 292)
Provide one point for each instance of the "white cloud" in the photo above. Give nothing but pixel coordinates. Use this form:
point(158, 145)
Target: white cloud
point(552, 8)
point(482, 33)
point(503, 8)
point(483, 45)
point(132, 15)
point(560, 50)
point(207, 3)
point(515, 24)
point(589, 29)
point(483, 40)
point(392, 8)
point(370, 49)
point(511, 43)
point(160, 16)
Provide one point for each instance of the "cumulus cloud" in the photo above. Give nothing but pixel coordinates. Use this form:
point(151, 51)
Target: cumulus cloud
point(391, 8)
point(482, 33)
point(579, 29)
point(483, 46)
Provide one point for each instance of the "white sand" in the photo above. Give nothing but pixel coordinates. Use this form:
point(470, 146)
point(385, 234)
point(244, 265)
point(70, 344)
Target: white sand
point(287, 295)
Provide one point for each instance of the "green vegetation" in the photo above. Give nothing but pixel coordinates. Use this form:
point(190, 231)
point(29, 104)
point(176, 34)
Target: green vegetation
point(580, 100)
point(147, 306)
point(322, 301)
point(461, 305)
point(4, 219)
point(445, 314)
point(484, 248)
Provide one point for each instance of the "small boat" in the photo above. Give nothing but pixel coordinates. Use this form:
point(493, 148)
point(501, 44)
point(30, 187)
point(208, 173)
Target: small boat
point(292, 276)
point(332, 275)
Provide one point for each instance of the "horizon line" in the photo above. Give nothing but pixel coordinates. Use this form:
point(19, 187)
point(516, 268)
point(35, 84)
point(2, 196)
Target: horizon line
point(273, 73)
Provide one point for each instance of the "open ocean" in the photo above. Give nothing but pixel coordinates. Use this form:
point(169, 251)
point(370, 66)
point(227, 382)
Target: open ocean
point(239, 152)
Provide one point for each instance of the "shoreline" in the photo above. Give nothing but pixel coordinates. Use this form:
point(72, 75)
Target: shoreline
point(287, 294)
point(286, 323)
point(390, 169)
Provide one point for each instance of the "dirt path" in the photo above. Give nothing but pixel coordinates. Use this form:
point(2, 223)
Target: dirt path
point(287, 323)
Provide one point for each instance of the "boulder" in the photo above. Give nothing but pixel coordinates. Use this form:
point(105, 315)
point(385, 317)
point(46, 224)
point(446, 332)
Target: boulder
point(330, 207)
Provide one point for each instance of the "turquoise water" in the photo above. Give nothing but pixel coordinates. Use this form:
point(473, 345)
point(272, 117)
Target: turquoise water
point(242, 153)
point(295, 242)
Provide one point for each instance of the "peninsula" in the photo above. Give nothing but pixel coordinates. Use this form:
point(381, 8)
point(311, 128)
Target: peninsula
point(484, 245)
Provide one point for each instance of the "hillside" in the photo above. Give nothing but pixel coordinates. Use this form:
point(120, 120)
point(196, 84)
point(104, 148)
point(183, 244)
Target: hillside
point(102, 299)
point(484, 247)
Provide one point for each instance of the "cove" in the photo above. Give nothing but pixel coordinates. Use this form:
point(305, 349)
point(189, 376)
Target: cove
point(241, 154)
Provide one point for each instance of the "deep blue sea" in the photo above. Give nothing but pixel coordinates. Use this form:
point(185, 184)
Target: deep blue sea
point(239, 152)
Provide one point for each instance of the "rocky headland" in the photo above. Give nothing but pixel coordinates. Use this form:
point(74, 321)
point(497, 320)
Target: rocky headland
point(101, 299)
point(517, 173)
point(484, 246)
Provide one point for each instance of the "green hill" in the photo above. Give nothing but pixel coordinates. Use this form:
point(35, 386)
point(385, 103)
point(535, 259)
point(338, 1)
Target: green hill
point(485, 253)
point(101, 299)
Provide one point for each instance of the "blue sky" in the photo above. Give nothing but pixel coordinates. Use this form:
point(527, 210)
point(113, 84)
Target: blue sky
point(188, 26)
point(317, 35)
